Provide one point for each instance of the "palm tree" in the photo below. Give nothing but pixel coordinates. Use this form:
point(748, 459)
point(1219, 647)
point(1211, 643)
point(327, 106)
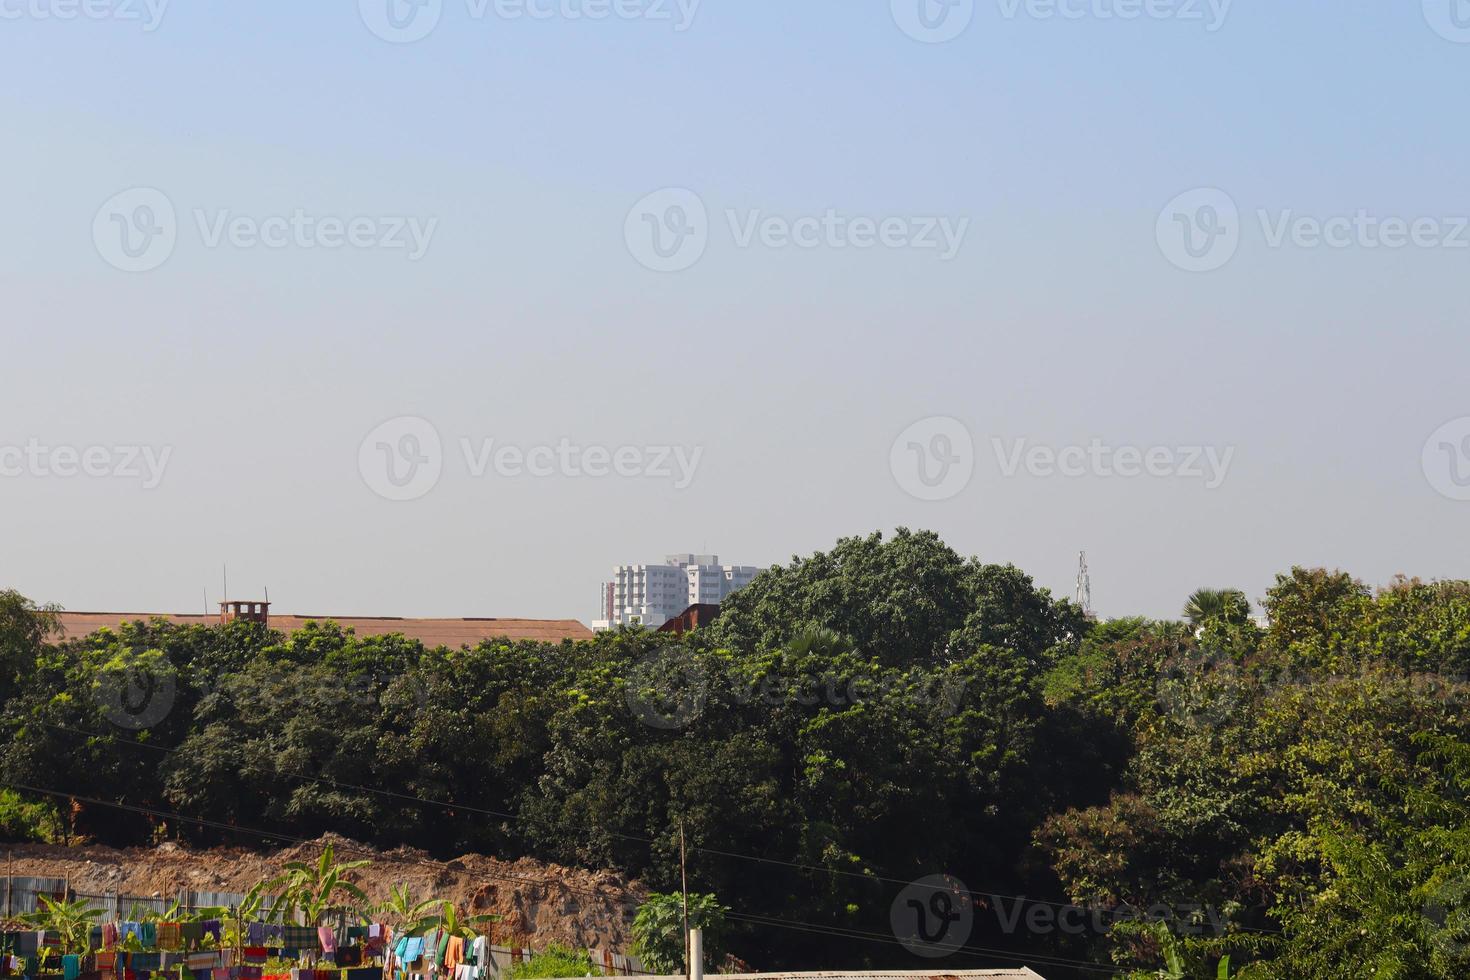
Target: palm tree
point(1228, 606)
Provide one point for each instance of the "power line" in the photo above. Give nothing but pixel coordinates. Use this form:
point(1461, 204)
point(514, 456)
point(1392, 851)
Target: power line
point(451, 805)
point(842, 932)
point(268, 836)
point(348, 847)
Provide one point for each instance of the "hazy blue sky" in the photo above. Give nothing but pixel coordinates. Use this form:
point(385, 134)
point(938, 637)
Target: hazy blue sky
point(521, 147)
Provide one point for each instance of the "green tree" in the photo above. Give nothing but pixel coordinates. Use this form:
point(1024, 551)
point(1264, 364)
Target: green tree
point(554, 962)
point(658, 931)
point(1227, 606)
point(24, 628)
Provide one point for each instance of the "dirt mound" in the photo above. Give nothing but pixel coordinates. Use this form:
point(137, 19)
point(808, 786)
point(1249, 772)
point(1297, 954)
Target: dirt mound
point(537, 903)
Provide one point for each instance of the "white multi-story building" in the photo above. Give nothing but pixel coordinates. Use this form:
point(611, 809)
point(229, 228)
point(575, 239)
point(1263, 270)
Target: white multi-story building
point(651, 595)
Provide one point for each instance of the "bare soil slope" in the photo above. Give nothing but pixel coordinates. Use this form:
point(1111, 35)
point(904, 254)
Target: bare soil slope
point(537, 903)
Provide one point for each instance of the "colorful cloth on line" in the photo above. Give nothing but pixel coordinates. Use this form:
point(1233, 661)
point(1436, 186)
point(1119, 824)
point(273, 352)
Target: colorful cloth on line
point(299, 937)
point(327, 938)
point(170, 935)
point(145, 962)
point(453, 954)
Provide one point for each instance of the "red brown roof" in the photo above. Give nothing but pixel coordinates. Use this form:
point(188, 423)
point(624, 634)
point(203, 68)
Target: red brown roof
point(452, 633)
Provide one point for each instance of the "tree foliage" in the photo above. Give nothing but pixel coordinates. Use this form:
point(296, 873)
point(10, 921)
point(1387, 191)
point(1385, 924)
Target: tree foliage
point(1293, 796)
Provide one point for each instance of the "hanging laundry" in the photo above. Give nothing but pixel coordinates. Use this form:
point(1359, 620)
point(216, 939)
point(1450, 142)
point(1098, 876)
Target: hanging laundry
point(300, 937)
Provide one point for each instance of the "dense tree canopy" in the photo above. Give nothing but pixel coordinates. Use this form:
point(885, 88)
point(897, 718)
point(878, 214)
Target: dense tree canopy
point(1293, 795)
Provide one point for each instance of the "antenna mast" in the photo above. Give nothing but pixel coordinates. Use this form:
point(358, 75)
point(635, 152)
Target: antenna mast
point(1084, 585)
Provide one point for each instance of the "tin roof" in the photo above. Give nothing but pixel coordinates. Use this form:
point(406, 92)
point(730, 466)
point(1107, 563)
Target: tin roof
point(452, 633)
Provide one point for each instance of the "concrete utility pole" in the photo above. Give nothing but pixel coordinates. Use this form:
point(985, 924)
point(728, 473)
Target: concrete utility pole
point(684, 891)
point(696, 954)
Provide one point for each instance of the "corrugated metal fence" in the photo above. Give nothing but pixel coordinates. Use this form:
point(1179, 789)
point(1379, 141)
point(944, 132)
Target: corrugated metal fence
point(22, 895)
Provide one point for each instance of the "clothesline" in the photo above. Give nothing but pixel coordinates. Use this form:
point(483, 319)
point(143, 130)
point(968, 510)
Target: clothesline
point(196, 951)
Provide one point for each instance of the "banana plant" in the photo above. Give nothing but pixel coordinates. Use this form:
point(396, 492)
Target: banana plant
point(451, 921)
point(320, 889)
point(249, 910)
point(72, 921)
point(406, 913)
